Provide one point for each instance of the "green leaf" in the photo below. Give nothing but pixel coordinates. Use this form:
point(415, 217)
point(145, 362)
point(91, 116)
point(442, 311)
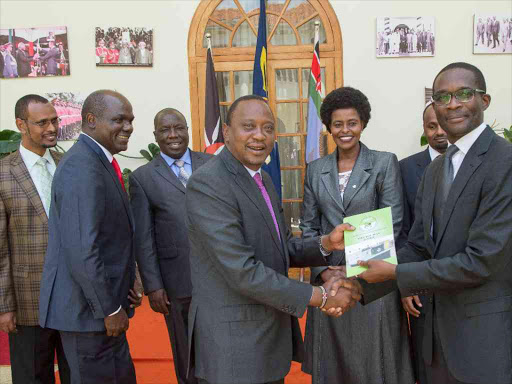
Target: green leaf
point(154, 149)
point(7, 134)
point(127, 171)
point(146, 155)
point(423, 140)
point(507, 133)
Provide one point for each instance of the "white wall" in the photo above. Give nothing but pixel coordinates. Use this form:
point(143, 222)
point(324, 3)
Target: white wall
point(394, 86)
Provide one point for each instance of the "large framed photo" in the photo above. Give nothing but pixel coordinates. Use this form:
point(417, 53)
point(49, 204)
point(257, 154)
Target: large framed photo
point(34, 52)
point(492, 34)
point(405, 36)
point(69, 109)
point(124, 46)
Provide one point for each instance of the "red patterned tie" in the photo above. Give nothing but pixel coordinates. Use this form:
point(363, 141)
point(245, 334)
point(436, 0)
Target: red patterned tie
point(115, 164)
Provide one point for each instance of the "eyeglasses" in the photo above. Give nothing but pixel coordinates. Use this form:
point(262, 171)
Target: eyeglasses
point(463, 95)
point(44, 123)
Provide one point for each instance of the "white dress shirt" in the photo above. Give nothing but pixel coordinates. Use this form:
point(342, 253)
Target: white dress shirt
point(464, 144)
point(110, 157)
point(30, 159)
point(433, 153)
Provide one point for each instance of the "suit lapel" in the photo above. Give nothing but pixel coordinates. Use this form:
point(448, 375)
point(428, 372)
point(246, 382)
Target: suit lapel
point(197, 160)
point(359, 176)
point(110, 169)
point(244, 180)
point(422, 163)
point(274, 199)
point(330, 179)
point(166, 172)
point(429, 197)
point(20, 172)
point(469, 165)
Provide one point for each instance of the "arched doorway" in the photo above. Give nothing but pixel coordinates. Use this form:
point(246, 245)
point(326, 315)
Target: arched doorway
point(233, 25)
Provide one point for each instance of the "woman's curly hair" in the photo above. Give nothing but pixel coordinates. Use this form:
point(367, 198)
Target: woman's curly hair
point(345, 98)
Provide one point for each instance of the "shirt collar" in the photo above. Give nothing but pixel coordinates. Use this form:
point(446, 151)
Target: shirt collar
point(433, 153)
point(251, 172)
point(30, 158)
point(170, 161)
point(105, 150)
point(466, 142)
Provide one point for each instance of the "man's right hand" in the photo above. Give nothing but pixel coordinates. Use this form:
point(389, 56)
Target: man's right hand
point(8, 322)
point(117, 324)
point(344, 300)
point(159, 302)
point(407, 303)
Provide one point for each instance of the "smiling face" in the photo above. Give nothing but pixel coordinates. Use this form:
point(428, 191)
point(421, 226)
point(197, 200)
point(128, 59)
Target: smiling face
point(435, 135)
point(113, 129)
point(35, 136)
point(251, 133)
point(171, 134)
point(458, 119)
point(346, 127)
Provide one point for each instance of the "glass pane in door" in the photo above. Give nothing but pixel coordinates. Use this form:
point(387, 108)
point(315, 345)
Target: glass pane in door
point(287, 84)
point(288, 118)
point(290, 151)
point(291, 181)
point(243, 83)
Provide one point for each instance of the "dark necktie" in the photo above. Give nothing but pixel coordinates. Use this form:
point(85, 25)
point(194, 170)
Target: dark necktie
point(115, 164)
point(266, 197)
point(443, 187)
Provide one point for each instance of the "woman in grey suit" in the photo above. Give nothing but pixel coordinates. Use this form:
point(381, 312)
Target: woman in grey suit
point(368, 344)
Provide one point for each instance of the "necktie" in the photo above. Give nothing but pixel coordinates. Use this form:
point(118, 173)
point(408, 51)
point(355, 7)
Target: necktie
point(183, 176)
point(443, 188)
point(115, 164)
point(264, 193)
point(45, 183)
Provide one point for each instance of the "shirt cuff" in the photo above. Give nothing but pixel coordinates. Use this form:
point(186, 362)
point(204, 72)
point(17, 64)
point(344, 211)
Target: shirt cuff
point(116, 312)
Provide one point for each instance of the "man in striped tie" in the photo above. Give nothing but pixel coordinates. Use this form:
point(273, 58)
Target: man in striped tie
point(89, 271)
point(243, 316)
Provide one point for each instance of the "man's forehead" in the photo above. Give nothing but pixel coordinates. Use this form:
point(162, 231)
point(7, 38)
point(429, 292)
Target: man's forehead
point(455, 78)
point(253, 109)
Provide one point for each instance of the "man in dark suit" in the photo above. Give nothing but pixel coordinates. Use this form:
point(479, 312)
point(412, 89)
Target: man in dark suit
point(411, 170)
point(243, 316)
point(23, 60)
point(90, 266)
point(157, 192)
point(25, 192)
point(51, 56)
point(460, 245)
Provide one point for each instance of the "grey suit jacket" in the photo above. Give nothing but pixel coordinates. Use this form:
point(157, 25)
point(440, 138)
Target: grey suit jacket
point(469, 267)
point(89, 266)
point(243, 316)
point(372, 185)
point(161, 237)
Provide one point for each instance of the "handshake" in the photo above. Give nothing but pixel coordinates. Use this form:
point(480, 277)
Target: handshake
point(342, 293)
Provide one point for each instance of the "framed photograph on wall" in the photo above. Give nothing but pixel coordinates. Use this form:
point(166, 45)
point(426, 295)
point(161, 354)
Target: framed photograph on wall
point(124, 46)
point(492, 33)
point(34, 52)
point(69, 108)
point(405, 36)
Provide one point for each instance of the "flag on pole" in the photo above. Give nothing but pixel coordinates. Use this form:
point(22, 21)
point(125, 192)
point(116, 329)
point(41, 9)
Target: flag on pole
point(259, 82)
point(314, 102)
point(213, 138)
point(259, 87)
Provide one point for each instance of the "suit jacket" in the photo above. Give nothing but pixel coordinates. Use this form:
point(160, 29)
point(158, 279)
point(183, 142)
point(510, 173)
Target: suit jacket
point(23, 240)
point(90, 266)
point(243, 316)
point(23, 60)
point(161, 237)
point(10, 70)
point(52, 57)
point(496, 26)
point(469, 267)
point(412, 169)
point(372, 185)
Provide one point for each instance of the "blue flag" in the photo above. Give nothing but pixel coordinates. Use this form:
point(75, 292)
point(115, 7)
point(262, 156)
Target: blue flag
point(259, 83)
point(273, 168)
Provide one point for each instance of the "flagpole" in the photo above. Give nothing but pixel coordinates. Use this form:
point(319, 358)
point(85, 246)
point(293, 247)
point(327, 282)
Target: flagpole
point(209, 41)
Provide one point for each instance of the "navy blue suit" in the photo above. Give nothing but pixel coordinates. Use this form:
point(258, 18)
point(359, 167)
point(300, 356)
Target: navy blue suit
point(89, 266)
point(412, 169)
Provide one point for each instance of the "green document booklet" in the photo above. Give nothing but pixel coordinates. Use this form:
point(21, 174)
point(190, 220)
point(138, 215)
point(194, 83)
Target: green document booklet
point(372, 239)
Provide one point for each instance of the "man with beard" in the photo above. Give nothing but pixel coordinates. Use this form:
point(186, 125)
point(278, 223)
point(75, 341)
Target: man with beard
point(157, 192)
point(25, 187)
point(412, 169)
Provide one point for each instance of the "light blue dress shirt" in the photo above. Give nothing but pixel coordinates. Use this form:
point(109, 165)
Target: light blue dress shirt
point(186, 159)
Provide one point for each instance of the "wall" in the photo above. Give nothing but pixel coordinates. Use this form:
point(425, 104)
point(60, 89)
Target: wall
point(395, 87)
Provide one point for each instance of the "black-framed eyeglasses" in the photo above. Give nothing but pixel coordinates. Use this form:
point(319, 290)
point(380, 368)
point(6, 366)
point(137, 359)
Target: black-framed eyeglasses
point(463, 95)
point(44, 123)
